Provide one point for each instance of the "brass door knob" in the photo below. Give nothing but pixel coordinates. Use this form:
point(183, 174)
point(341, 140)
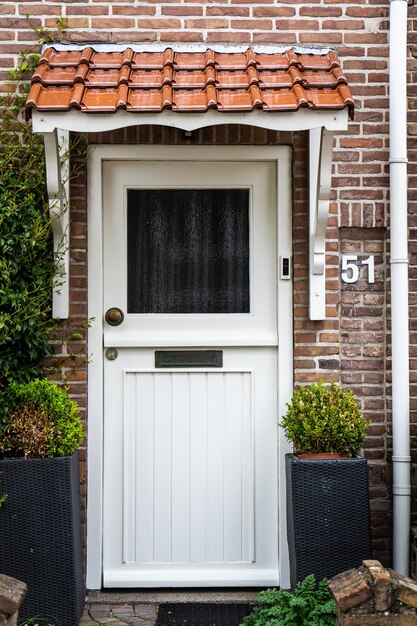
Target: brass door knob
point(114, 316)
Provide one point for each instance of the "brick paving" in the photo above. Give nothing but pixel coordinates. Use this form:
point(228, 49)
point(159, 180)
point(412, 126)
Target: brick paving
point(119, 614)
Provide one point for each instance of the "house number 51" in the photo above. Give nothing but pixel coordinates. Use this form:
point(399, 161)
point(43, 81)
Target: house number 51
point(350, 269)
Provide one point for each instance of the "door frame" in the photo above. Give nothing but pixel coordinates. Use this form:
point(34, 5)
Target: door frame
point(282, 157)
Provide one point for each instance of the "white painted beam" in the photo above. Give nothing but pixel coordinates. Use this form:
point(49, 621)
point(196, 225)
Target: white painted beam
point(57, 176)
point(321, 147)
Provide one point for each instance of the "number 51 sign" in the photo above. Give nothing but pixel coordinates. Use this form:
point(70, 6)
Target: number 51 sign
point(350, 268)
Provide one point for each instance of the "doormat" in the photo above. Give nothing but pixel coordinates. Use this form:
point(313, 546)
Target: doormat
point(202, 614)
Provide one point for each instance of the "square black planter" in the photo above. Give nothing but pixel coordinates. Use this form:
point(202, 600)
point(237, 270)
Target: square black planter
point(40, 530)
point(328, 526)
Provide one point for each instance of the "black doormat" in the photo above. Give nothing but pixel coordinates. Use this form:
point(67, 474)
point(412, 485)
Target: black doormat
point(202, 614)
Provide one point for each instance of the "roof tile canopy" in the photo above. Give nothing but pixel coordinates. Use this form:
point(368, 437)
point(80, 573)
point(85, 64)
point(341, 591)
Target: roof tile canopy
point(105, 82)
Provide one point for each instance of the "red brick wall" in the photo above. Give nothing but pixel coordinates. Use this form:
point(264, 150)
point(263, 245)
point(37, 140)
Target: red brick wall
point(352, 344)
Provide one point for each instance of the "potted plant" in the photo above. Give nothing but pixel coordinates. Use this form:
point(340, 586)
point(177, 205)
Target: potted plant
point(40, 521)
point(328, 525)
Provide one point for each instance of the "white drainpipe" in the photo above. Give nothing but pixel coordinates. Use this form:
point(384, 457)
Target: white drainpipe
point(399, 285)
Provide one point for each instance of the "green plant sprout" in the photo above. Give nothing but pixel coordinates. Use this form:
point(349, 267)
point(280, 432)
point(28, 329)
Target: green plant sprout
point(310, 603)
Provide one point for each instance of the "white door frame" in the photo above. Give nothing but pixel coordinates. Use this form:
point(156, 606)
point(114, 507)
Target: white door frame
point(281, 155)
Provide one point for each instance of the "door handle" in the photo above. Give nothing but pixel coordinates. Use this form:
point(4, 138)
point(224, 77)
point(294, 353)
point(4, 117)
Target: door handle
point(114, 316)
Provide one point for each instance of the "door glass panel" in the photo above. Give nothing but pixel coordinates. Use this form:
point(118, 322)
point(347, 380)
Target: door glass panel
point(188, 251)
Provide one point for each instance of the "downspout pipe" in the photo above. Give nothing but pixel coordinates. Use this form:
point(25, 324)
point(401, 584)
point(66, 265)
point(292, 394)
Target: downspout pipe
point(399, 285)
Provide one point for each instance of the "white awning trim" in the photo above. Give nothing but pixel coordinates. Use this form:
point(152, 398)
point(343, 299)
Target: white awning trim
point(321, 125)
point(80, 121)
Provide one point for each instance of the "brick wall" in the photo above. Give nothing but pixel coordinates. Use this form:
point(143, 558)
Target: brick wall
point(363, 348)
point(352, 344)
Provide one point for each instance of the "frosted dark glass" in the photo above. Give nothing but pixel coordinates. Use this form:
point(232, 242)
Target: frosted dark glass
point(188, 251)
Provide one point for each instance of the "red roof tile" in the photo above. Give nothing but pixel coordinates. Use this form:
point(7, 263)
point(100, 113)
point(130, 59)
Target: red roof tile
point(102, 82)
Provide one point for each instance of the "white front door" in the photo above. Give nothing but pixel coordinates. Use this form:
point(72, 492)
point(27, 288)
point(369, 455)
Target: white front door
point(190, 374)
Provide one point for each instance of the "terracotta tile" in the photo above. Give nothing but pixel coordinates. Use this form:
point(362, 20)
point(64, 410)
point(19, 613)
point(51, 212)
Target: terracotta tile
point(148, 60)
point(282, 100)
point(53, 98)
point(186, 81)
point(122, 99)
point(81, 73)
point(236, 61)
point(274, 61)
point(300, 94)
point(315, 61)
point(102, 78)
point(55, 76)
point(323, 79)
point(250, 58)
point(234, 100)
point(253, 75)
point(167, 75)
point(144, 100)
point(326, 98)
point(106, 60)
point(278, 80)
point(86, 55)
point(296, 75)
point(100, 100)
point(33, 97)
point(167, 97)
point(196, 79)
point(232, 80)
point(346, 95)
point(146, 78)
point(63, 58)
point(256, 96)
point(192, 60)
point(153, 60)
point(108, 78)
point(192, 100)
point(128, 57)
point(77, 96)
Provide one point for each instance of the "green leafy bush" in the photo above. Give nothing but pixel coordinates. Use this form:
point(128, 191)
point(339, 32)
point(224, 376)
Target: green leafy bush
point(42, 422)
point(324, 419)
point(309, 604)
point(26, 259)
point(27, 264)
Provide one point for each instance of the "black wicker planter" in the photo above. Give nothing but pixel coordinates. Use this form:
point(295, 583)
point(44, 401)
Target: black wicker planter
point(328, 526)
point(40, 531)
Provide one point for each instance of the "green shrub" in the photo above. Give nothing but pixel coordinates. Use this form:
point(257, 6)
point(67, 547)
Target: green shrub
point(26, 258)
point(324, 419)
point(42, 422)
point(310, 603)
point(27, 268)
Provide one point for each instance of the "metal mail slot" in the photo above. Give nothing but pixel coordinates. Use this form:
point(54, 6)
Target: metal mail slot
point(189, 358)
